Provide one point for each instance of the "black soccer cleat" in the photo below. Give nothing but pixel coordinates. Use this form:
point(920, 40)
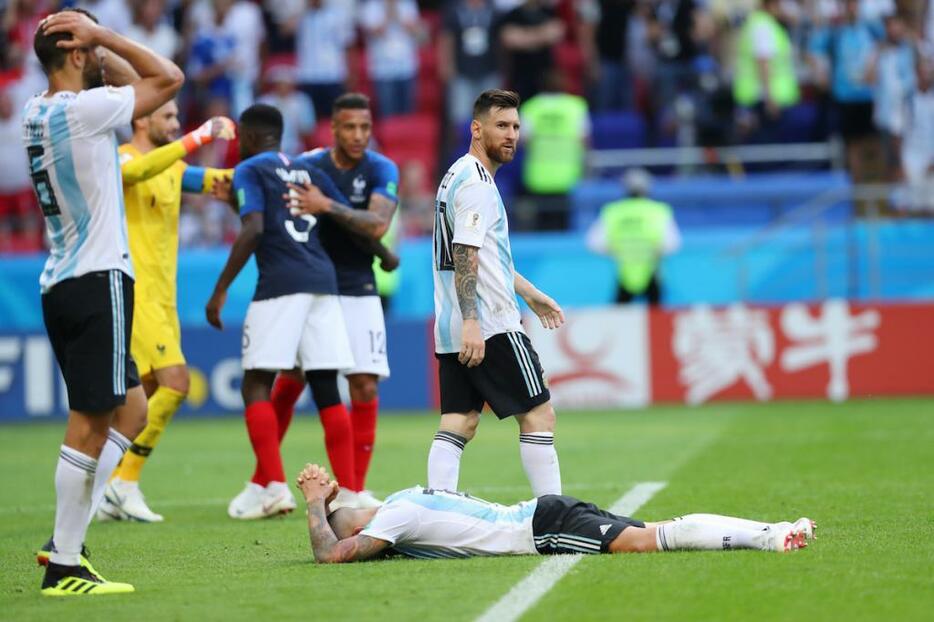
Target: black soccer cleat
point(42, 557)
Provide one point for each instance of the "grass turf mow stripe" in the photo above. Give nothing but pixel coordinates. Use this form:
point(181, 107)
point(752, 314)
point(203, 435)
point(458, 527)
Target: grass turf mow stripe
point(527, 592)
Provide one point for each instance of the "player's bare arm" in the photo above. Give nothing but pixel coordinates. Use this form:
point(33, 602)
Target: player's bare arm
point(318, 490)
point(372, 222)
point(159, 78)
point(244, 246)
point(548, 311)
point(466, 262)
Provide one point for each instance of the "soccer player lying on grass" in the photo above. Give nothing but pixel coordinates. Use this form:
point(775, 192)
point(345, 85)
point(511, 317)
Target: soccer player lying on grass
point(425, 523)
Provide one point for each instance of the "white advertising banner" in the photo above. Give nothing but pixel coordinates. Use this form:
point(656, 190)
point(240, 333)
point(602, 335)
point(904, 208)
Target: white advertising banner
point(598, 359)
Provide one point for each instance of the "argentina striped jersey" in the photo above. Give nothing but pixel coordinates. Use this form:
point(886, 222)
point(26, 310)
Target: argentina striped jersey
point(425, 523)
point(72, 152)
point(470, 211)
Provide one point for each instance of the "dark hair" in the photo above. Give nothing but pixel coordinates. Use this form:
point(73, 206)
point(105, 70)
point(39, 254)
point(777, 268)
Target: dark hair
point(350, 101)
point(263, 119)
point(495, 98)
point(46, 47)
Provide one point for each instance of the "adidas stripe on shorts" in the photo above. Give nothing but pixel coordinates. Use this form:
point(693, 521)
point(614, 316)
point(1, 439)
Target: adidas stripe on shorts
point(510, 379)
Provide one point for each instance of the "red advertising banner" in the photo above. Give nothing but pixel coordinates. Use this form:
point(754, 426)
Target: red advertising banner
point(832, 350)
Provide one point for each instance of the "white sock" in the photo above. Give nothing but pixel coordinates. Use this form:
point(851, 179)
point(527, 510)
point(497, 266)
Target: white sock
point(113, 451)
point(692, 535)
point(444, 460)
point(74, 480)
point(540, 461)
point(726, 521)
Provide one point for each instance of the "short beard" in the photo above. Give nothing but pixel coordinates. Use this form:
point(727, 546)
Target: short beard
point(159, 140)
point(93, 77)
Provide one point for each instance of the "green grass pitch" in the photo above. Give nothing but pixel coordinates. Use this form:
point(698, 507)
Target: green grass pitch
point(864, 470)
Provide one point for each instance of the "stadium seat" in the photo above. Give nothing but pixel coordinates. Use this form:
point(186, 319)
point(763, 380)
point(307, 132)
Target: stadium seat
point(618, 130)
point(410, 137)
point(321, 136)
point(800, 124)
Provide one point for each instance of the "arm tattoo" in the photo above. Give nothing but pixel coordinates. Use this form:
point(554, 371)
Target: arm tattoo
point(328, 549)
point(371, 223)
point(465, 279)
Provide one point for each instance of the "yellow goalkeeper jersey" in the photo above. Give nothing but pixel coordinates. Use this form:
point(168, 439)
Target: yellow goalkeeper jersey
point(152, 209)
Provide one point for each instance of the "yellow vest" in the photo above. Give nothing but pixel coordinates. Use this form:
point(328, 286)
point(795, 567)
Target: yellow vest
point(635, 232)
point(388, 282)
point(783, 83)
point(554, 155)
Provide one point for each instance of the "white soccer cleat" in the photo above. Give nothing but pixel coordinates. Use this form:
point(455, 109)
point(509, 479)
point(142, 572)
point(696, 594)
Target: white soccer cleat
point(783, 538)
point(345, 498)
point(808, 526)
point(278, 499)
point(128, 498)
point(107, 511)
point(248, 505)
point(366, 500)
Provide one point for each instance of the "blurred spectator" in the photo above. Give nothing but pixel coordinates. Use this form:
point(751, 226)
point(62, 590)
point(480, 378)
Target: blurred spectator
point(114, 14)
point(20, 20)
point(614, 84)
point(210, 64)
point(281, 19)
point(416, 199)
point(392, 29)
point(840, 56)
point(19, 213)
point(467, 55)
point(324, 33)
point(918, 144)
point(298, 112)
point(674, 32)
point(636, 232)
point(892, 71)
point(556, 131)
point(528, 34)
point(241, 23)
point(151, 29)
point(764, 79)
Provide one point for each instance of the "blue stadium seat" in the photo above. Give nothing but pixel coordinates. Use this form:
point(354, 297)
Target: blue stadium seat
point(618, 130)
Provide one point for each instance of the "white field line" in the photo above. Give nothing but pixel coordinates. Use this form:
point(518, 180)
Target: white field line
point(527, 592)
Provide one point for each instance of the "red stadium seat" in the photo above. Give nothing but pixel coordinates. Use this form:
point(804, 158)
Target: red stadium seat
point(321, 136)
point(411, 137)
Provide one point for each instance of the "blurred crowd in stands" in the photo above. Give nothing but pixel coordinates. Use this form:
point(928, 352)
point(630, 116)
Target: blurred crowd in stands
point(594, 74)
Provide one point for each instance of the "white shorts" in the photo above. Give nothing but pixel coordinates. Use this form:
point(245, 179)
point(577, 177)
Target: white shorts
point(367, 331)
point(298, 330)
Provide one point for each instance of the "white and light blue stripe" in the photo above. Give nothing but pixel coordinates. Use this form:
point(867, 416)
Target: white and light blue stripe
point(526, 365)
point(119, 332)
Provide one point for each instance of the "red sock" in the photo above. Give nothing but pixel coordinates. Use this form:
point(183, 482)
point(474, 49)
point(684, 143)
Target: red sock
point(363, 415)
point(285, 392)
point(264, 436)
point(338, 440)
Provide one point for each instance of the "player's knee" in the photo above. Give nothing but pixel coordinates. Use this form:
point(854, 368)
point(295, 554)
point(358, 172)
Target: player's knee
point(179, 381)
point(462, 425)
point(256, 386)
point(363, 387)
point(635, 540)
point(540, 419)
point(324, 391)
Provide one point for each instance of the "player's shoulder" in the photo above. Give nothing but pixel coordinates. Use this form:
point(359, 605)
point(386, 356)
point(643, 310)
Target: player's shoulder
point(316, 156)
point(377, 159)
point(127, 152)
point(258, 161)
point(402, 495)
point(467, 172)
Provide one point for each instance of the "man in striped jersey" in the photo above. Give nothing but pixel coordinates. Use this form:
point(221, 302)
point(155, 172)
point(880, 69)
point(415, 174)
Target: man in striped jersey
point(484, 357)
point(87, 284)
point(427, 523)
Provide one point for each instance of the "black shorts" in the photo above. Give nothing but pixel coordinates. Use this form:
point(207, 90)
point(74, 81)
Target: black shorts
point(855, 119)
point(89, 320)
point(563, 525)
point(510, 379)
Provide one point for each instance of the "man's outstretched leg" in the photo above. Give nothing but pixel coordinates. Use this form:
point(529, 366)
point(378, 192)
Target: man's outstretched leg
point(689, 534)
point(444, 458)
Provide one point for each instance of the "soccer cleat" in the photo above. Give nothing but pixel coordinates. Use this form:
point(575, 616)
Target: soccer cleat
point(278, 499)
point(42, 558)
point(79, 581)
point(128, 499)
point(248, 504)
point(107, 511)
point(808, 526)
point(366, 500)
point(782, 538)
point(345, 498)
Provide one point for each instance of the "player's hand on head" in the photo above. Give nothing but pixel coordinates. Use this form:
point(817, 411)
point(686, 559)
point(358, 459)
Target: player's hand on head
point(212, 310)
point(473, 347)
point(84, 32)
